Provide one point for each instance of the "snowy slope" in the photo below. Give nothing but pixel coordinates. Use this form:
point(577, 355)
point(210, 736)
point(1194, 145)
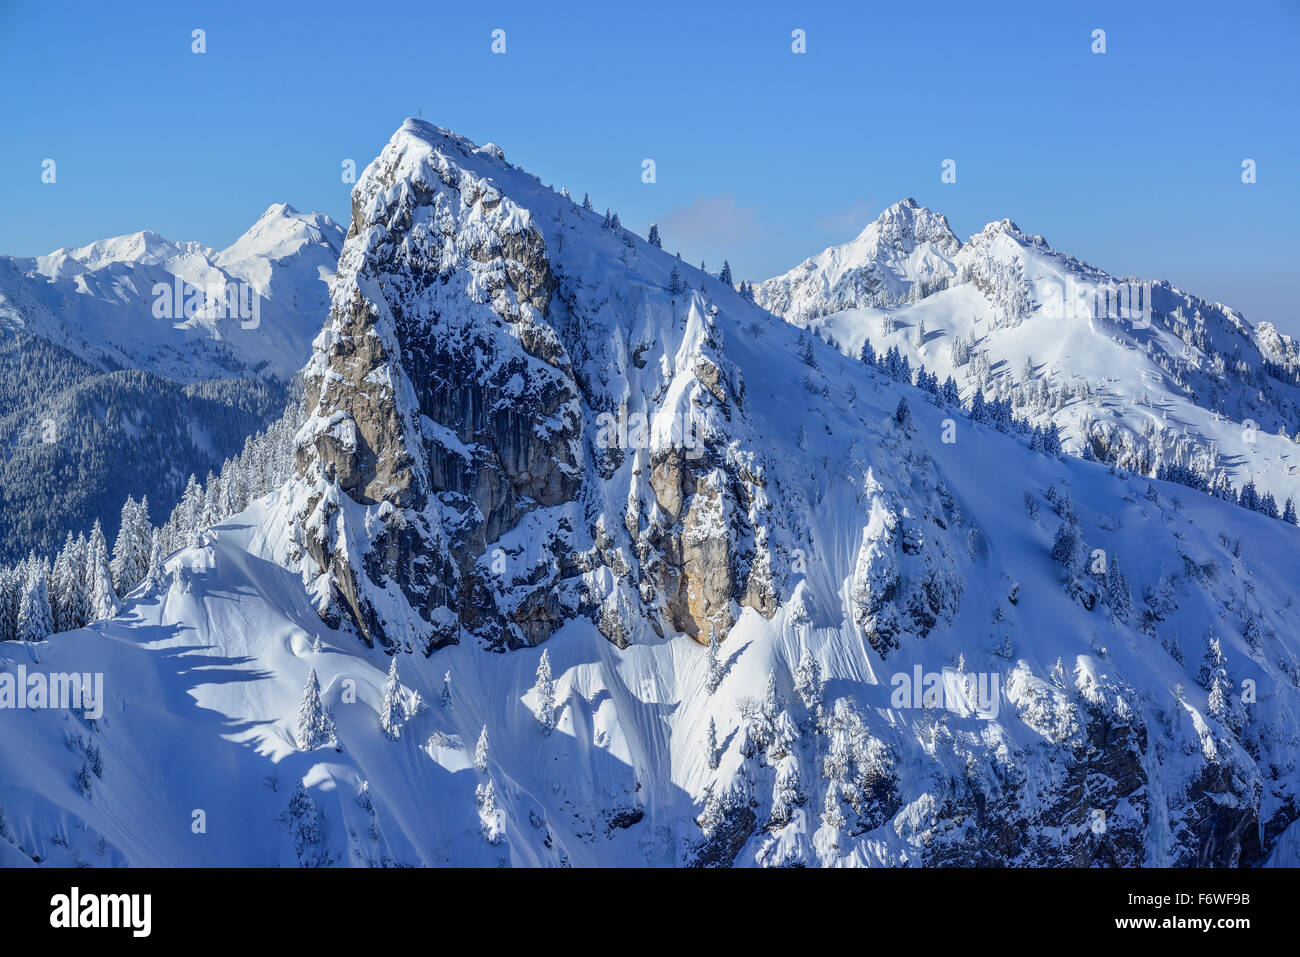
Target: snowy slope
point(461, 508)
point(99, 301)
point(1191, 382)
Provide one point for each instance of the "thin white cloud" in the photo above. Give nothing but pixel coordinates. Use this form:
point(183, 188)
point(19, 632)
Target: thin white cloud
point(851, 219)
point(715, 221)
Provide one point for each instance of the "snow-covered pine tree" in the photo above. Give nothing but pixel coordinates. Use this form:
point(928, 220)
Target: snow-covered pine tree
point(785, 735)
point(188, 513)
point(209, 511)
point(903, 413)
point(154, 574)
point(786, 792)
point(725, 275)
point(1121, 599)
point(868, 354)
point(950, 394)
point(131, 549)
point(304, 826)
point(1176, 650)
point(715, 662)
point(99, 581)
point(121, 550)
point(366, 801)
point(1268, 505)
point(832, 815)
point(486, 795)
point(392, 708)
point(444, 699)
point(904, 373)
point(804, 349)
point(35, 621)
point(713, 815)
point(1065, 548)
point(711, 745)
point(771, 699)
point(676, 285)
point(808, 682)
point(315, 726)
point(226, 482)
point(481, 750)
point(54, 587)
point(544, 690)
point(1249, 497)
point(483, 791)
point(11, 580)
point(1252, 634)
point(81, 597)
point(1214, 659)
point(67, 588)
point(653, 239)
point(1222, 702)
point(837, 767)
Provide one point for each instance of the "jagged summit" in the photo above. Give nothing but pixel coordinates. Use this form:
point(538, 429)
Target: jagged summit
point(145, 247)
point(906, 225)
point(482, 381)
point(907, 247)
point(1007, 228)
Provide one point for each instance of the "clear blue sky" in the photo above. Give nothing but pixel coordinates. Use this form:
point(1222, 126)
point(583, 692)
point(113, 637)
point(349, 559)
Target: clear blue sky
point(1130, 159)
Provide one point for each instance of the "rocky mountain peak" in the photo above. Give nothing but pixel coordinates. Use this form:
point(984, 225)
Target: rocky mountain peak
point(905, 225)
point(481, 339)
point(907, 250)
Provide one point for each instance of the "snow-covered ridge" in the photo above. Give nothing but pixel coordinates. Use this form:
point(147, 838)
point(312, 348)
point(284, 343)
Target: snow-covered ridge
point(100, 300)
point(1178, 383)
point(907, 246)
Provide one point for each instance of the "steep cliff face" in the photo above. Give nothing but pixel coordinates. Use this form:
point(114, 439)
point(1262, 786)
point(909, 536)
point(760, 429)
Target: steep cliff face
point(444, 476)
point(444, 406)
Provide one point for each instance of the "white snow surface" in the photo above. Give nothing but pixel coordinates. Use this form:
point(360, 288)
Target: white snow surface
point(99, 300)
point(1161, 377)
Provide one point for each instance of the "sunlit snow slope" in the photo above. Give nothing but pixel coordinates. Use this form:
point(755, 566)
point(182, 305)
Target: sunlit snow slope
point(1188, 382)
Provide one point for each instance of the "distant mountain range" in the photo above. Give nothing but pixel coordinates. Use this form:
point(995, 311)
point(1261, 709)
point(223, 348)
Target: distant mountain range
point(139, 350)
point(1137, 372)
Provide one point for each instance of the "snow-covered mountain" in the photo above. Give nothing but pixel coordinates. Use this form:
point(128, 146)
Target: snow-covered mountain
point(139, 349)
point(544, 464)
point(907, 247)
point(1139, 372)
point(121, 302)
